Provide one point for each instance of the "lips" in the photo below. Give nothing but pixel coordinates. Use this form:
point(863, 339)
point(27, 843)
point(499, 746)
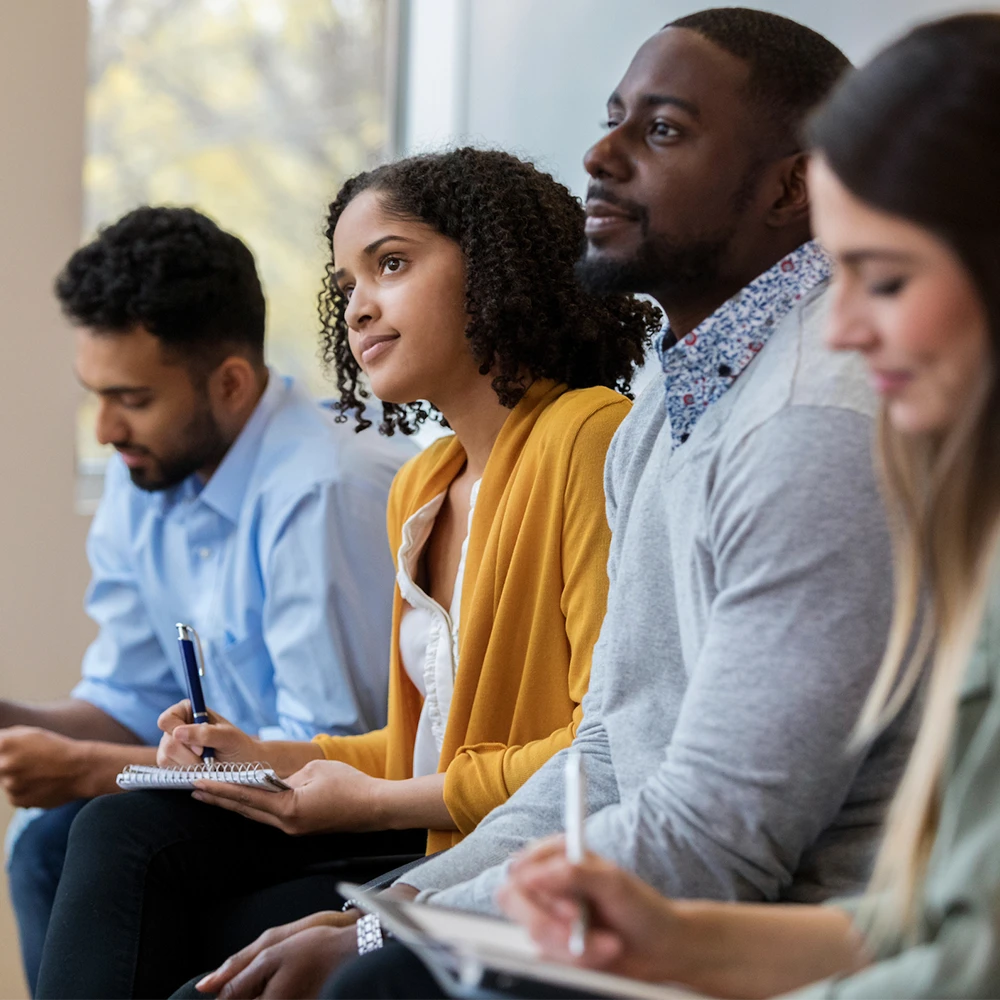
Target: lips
point(131, 459)
point(888, 382)
point(603, 215)
point(373, 346)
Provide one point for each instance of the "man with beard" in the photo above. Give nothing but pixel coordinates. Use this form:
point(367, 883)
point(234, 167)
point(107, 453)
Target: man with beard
point(750, 571)
point(235, 504)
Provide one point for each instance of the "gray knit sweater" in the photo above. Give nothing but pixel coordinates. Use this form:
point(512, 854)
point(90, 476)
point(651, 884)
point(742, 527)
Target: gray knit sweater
point(749, 606)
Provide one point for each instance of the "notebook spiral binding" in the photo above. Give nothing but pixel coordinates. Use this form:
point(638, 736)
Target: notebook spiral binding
point(142, 775)
point(256, 775)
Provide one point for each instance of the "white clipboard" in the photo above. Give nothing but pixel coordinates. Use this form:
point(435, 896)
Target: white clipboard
point(460, 948)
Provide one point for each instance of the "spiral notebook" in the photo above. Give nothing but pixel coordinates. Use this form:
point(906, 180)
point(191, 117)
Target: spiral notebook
point(181, 778)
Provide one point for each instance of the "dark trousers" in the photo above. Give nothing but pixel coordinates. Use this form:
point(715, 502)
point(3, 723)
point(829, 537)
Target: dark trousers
point(157, 888)
point(33, 872)
point(395, 973)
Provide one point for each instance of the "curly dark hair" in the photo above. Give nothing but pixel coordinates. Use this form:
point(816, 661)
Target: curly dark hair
point(177, 274)
point(521, 233)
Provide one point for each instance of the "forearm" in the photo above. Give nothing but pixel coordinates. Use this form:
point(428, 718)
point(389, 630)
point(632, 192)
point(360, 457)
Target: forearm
point(71, 717)
point(411, 804)
point(751, 950)
point(100, 763)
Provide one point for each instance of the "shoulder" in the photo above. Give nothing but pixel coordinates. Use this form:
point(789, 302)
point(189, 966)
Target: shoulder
point(416, 471)
point(796, 368)
point(581, 420)
point(797, 371)
point(304, 447)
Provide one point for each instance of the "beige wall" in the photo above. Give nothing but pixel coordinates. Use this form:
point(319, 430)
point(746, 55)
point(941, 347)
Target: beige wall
point(43, 630)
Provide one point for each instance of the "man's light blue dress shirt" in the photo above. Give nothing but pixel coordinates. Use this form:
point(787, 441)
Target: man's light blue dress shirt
point(280, 562)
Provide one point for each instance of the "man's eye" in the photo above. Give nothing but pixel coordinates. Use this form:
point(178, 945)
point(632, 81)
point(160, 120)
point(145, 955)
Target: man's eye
point(609, 123)
point(664, 130)
point(135, 404)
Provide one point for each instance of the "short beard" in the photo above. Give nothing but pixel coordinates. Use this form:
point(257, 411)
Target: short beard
point(677, 273)
point(202, 445)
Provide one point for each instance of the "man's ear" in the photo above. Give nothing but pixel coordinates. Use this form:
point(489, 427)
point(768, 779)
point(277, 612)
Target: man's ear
point(791, 203)
point(234, 385)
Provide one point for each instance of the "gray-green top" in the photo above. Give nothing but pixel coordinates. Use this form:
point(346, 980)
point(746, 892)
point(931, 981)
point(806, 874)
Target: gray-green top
point(957, 953)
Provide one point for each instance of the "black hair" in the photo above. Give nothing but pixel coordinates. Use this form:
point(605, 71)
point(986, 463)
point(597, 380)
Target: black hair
point(521, 233)
point(792, 67)
point(174, 272)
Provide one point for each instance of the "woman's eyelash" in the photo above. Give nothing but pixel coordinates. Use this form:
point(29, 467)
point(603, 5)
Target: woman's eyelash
point(892, 286)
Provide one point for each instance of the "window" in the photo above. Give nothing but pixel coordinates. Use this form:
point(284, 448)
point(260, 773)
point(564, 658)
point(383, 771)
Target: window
point(253, 111)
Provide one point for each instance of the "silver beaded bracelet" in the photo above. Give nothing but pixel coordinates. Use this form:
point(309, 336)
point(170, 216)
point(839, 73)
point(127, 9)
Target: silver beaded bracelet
point(369, 933)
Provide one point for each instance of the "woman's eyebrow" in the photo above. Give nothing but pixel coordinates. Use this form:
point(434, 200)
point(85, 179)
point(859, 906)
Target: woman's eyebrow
point(375, 244)
point(865, 254)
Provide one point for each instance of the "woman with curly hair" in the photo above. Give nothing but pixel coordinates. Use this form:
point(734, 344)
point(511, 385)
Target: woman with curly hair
point(451, 292)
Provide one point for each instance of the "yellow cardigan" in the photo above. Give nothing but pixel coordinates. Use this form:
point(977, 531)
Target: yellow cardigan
point(533, 600)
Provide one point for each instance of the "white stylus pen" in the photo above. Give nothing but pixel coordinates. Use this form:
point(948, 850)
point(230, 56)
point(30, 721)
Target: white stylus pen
point(576, 813)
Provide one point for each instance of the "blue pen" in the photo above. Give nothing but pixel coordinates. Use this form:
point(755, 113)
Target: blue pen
point(193, 660)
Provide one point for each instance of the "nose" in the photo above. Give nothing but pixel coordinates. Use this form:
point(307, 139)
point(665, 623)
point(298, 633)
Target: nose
point(849, 328)
point(362, 306)
point(607, 157)
point(109, 427)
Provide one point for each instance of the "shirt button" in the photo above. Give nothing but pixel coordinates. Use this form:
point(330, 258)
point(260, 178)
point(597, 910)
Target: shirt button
point(204, 552)
point(725, 371)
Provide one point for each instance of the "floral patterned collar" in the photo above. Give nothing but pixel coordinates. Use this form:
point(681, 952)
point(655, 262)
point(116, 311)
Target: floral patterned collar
point(700, 368)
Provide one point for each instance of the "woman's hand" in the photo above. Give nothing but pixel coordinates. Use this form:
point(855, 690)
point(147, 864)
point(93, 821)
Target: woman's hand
point(263, 963)
point(719, 949)
point(326, 795)
point(183, 741)
point(632, 930)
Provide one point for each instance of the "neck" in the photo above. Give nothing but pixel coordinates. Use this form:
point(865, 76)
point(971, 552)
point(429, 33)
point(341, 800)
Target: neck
point(232, 429)
point(476, 416)
point(684, 315)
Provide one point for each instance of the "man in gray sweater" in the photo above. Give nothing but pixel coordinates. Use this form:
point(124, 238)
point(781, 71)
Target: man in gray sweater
point(750, 565)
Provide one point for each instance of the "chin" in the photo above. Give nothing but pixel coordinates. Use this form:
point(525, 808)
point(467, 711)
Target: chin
point(914, 420)
point(615, 248)
point(393, 390)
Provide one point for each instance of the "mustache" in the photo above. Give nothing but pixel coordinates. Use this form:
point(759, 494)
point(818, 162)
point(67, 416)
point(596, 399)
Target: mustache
point(596, 191)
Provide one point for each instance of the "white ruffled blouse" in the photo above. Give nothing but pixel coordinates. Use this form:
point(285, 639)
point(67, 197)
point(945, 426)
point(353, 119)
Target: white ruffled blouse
point(428, 635)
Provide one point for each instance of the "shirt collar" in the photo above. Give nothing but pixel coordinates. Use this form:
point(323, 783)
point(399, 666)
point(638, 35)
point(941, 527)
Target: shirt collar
point(699, 369)
point(224, 492)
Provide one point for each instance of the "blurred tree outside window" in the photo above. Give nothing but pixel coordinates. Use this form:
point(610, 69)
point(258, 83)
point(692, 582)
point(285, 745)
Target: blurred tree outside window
point(252, 111)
